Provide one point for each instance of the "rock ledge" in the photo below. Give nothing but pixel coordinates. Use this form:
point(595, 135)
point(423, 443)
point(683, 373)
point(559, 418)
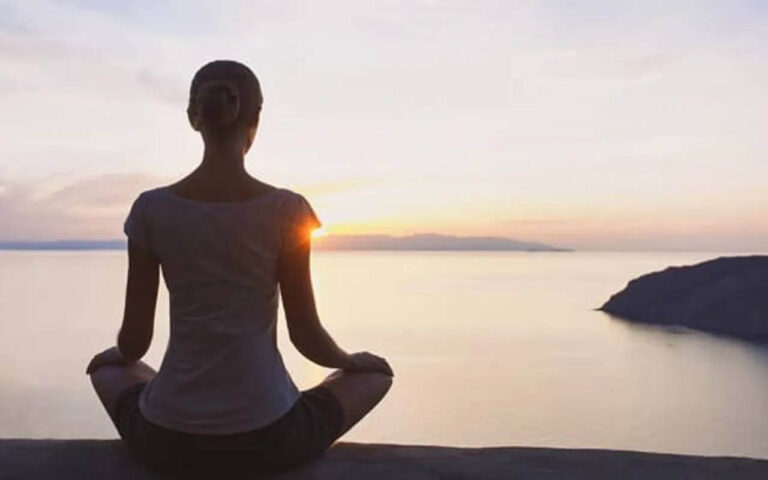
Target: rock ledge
point(108, 459)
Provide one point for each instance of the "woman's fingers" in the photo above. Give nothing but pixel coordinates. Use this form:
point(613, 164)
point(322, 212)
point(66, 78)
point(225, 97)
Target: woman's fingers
point(110, 356)
point(388, 368)
point(93, 364)
point(368, 362)
point(383, 365)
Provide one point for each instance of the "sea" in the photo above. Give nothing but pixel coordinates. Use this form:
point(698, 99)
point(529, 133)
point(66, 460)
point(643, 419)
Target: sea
point(488, 348)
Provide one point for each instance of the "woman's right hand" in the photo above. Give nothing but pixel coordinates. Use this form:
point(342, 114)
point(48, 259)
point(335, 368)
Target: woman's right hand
point(110, 356)
point(368, 362)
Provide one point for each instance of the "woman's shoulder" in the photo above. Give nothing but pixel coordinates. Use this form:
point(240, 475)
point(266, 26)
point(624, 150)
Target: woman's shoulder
point(143, 197)
point(148, 199)
point(151, 193)
point(285, 199)
point(292, 202)
point(298, 211)
point(289, 195)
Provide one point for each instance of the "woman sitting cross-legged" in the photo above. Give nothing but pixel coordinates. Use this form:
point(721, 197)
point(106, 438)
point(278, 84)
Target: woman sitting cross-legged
point(222, 403)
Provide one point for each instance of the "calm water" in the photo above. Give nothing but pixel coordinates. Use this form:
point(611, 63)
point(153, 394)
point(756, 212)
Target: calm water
point(489, 349)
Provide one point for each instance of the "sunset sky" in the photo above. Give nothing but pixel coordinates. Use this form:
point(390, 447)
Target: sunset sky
point(590, 125)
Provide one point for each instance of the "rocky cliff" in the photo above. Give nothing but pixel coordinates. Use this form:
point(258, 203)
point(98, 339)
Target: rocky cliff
point(727, 295)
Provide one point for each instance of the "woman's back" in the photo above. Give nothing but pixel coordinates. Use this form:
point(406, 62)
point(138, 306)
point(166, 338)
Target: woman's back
point(222, 372)
point(226, 244)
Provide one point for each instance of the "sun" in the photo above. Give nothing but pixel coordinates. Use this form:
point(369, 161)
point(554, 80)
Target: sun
point(318, 232)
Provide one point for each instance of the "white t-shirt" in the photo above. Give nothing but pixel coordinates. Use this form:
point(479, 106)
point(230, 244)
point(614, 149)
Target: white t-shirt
point(222, 372)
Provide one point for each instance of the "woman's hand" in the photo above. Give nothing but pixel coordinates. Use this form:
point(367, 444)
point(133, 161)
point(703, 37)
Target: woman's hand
point(110, 356)
point(368, 362)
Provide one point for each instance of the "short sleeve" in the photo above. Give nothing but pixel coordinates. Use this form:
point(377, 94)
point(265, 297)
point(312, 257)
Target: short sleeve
point(135, 225)
point(300, 221)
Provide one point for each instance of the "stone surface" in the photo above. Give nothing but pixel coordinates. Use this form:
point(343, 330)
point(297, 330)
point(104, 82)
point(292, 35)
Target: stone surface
point(108, 459)
point(727, 295)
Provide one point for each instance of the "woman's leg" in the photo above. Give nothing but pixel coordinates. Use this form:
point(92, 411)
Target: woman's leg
point(358, 393)
point(110, 381)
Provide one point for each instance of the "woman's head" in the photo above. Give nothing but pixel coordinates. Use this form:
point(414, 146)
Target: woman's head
point(225, 101)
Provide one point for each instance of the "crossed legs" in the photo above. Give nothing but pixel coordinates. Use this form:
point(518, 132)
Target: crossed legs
point(110, 381)
point(358, 392)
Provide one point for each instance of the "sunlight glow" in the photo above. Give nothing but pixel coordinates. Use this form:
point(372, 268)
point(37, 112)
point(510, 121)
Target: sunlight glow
point(318, 232)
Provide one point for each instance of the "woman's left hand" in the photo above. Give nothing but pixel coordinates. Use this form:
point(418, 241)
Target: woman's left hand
point(110, 356)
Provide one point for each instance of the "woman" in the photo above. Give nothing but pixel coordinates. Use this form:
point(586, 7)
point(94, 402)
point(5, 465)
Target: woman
point(222, 401)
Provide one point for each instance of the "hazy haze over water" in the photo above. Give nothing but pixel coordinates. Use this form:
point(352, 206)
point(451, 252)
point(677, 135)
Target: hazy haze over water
point(492, 348)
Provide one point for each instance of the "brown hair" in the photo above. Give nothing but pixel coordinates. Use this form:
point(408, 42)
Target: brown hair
point(225, 95)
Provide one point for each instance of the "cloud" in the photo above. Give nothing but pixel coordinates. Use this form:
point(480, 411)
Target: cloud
point(163, 87)
point(337, 186)
point(86, 208)
point(106, 191)
point(542, 110)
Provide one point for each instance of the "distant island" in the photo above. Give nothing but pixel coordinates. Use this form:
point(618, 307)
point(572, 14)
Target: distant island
point(428, 241)
point(422, 241)
point(727, 295)
point(64, 245)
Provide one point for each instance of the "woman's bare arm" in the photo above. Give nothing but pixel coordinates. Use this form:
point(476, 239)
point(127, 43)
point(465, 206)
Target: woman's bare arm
point(138, 319)
point(306, 332)
point(140, 301)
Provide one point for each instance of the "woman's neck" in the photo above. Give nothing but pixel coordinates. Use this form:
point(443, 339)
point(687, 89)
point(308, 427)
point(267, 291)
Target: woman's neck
point(223, 160)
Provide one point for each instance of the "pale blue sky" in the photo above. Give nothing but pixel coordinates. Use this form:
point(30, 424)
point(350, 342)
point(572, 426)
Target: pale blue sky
point(593, 125)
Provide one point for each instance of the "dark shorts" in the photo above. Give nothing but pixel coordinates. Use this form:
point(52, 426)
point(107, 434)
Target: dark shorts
point(307, 430)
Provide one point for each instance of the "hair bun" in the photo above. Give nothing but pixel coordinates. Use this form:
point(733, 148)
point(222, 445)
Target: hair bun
point(218, 103)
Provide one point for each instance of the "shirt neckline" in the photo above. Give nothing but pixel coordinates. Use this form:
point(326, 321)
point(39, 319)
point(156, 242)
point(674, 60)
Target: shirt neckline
point(206, 202)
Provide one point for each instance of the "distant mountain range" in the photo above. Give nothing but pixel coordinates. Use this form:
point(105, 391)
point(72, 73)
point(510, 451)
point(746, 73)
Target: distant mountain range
point(64, 245)
point(422, 241)
point(427, 241)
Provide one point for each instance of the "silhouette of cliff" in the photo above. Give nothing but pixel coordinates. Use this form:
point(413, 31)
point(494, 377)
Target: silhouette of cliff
point(727, 295)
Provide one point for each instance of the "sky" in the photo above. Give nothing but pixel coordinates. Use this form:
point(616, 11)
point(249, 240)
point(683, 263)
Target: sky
point(612, 125)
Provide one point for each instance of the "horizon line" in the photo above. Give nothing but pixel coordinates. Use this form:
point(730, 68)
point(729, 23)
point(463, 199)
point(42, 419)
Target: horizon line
point(416, 242)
